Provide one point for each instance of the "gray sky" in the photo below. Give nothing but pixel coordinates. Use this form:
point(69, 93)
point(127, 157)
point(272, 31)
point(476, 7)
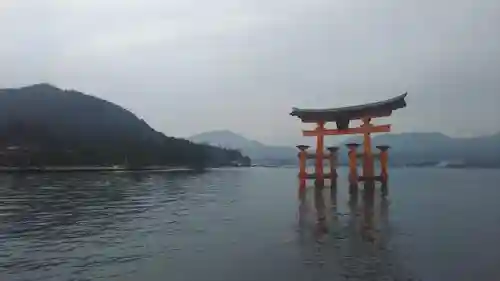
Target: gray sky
point(188, 66)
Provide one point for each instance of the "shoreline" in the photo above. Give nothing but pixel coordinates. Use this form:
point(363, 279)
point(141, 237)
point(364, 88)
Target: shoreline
point(62, 169)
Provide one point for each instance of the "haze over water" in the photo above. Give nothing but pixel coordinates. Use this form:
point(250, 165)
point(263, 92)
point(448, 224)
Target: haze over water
point(247, 224)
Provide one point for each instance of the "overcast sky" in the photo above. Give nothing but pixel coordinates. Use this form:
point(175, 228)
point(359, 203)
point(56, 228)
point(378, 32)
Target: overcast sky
point(188, 66)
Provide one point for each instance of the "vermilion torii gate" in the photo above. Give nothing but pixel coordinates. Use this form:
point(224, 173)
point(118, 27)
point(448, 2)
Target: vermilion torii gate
point(342, 117)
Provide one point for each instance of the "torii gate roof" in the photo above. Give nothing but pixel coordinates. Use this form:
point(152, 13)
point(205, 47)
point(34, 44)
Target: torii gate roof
point(372, 110)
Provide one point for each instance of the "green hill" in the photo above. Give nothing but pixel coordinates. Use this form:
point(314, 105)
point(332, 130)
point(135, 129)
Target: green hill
point(44, 125)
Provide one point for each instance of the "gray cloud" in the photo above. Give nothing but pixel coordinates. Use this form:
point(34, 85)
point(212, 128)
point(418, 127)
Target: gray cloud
point(189, 66)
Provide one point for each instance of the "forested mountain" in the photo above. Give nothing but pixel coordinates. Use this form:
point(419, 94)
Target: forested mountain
point(44, 125)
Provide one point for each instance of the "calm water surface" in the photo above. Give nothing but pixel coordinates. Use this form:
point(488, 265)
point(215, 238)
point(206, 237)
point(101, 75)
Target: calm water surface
point(248, 224)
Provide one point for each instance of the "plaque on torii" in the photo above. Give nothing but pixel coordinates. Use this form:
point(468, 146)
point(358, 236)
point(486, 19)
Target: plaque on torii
point(342, 117)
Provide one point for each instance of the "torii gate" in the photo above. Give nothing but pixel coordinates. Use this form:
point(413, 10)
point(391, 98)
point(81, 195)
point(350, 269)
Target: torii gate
point(342, 117)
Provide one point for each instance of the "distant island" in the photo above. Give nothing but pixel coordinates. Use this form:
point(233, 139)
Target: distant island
point(407, 149)
point(43, 126)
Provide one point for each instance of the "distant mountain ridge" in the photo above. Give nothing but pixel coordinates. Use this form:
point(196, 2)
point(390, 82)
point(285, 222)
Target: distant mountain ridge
point(257, 151)
point(225, 138)
point(414, 148)
point(406, 148)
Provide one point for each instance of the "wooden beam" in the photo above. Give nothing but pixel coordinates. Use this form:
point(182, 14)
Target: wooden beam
point(350, 131)
point(351, 118)
point(326, 155)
